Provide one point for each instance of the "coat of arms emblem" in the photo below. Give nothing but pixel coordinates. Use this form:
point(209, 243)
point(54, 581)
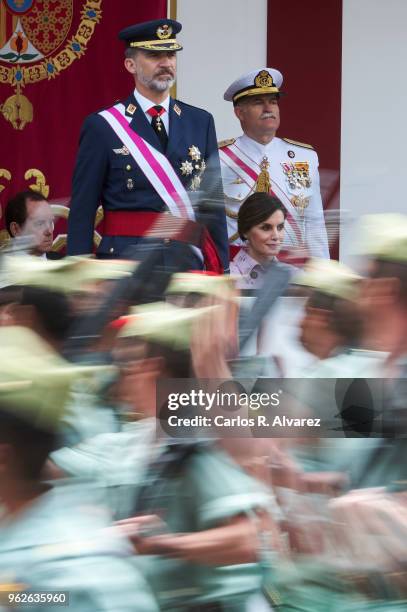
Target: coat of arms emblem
point(36, 43)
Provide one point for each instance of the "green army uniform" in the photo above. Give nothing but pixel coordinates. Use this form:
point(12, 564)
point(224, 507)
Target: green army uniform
point(316, 391)
point(211, 489)
point(62, 543)
point(85, 415)
point(206, 491)
point(114, 463)
point(385, 239)
point(370, 463)
point(58, 540)
point(312, 583)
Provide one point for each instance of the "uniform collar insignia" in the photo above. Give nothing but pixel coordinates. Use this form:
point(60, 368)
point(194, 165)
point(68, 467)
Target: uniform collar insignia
point(131, 109)
point(177, 109)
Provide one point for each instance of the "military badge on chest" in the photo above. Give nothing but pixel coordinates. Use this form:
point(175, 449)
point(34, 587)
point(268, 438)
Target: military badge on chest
point(297, 175)
point(298, 181)
point(194, 166)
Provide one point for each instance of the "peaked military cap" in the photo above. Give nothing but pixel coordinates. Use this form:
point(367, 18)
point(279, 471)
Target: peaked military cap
point(254, 83)
point(383, 236)
point(156, 35)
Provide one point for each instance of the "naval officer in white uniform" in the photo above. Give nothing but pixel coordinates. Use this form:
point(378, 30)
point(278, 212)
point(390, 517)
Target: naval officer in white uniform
point(260, 161)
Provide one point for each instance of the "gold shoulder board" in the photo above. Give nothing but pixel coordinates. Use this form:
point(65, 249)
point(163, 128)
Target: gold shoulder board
point(298, 144)
point(226, 143)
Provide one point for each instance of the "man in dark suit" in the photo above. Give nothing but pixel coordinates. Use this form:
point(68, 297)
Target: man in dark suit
point(149, 155)
point(29, 214)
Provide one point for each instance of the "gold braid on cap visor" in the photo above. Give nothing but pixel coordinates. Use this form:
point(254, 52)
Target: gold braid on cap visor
point(158, 45)
point(255, 91)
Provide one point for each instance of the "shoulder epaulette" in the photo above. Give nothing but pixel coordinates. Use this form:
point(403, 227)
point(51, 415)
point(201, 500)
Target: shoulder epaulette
point(298, 144)
point(226, 143)
point(107, 106)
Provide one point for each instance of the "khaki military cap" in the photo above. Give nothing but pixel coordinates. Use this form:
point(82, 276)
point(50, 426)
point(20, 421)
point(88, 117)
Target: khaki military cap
point(163, 323)
point(35, 380)
point(67, 275)
point(207, 284)
point(383, 236)
point(330, 277)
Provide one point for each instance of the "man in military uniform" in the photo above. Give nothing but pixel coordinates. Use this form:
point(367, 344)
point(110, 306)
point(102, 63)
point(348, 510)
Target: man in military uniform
point(208, 556)
point(51, 539)
point(147, 155)
point(259, 161)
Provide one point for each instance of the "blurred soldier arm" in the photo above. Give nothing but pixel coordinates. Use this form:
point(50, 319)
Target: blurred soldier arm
point(234, 542)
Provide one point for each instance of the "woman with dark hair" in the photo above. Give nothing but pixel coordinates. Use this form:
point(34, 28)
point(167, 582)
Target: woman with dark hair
point(260, 223)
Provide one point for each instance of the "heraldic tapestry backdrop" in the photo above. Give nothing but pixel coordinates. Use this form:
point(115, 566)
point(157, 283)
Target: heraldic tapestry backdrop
point(59, 61)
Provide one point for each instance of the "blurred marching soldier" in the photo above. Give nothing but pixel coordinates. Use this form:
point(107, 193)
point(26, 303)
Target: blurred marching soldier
point(205, 552)
point(260, 161)
point(50, 539)
point(145, 157)
point(378, 505)
point(368, 525)
point(48, 297)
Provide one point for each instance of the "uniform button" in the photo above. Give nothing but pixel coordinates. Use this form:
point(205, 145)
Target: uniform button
point(128, 167)
point(111, 250)
point(167, 240)
point(253, 274)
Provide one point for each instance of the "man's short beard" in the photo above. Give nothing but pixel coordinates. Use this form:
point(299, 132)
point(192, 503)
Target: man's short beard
point(158, 85)
point(155, 84)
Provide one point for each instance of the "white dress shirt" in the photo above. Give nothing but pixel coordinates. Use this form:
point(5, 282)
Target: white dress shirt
point(146, 104)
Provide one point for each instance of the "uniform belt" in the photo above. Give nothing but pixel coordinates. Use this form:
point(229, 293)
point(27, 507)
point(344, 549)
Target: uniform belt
point(137, 224)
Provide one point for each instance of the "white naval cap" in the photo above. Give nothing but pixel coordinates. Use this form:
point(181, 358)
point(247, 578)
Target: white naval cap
point(260, 81)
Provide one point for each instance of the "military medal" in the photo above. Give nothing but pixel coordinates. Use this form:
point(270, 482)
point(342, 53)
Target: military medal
point(300, 202)
point(297, 175)
point(197, 164)
point(298, 178)
point(196, 183)
point(194, 153)
point(186, 168)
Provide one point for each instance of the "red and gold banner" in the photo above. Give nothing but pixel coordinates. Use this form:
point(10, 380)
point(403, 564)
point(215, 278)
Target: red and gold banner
point(59, 61)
